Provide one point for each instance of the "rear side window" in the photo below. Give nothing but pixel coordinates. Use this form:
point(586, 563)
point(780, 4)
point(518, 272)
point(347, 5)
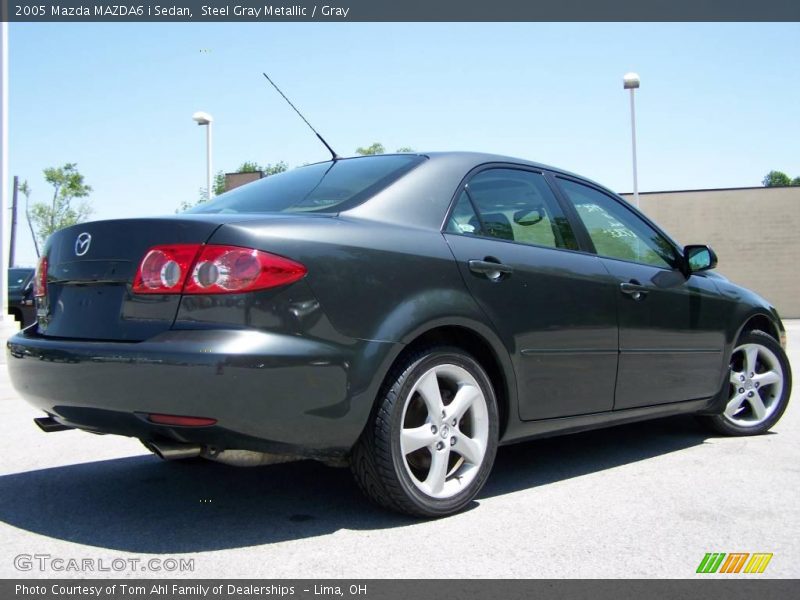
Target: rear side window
point(327, 187)
point(513, 205)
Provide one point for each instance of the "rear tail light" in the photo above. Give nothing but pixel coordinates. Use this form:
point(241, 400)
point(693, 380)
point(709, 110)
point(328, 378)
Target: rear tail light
point(212, 269)
point(163, 269)
point(40, 279)
point(228, 269)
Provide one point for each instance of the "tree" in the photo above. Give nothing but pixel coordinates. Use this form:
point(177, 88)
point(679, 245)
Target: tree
point(26, 191)
point(376, 148)
point(68, 185)
point(219, 187)
point(796, 181)
point(776, 178)
point(278, 167)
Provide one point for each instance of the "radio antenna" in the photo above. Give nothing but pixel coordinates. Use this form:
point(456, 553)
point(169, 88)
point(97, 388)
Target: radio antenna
point(321, 139)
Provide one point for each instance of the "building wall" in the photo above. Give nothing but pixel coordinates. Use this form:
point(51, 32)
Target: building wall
point(754, 231)
point(234, 180)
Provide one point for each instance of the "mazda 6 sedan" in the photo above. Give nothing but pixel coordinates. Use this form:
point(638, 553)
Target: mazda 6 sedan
point(403, 314)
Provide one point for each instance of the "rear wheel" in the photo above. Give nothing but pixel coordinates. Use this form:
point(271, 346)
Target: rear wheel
point(759, 385)
point(432, 440)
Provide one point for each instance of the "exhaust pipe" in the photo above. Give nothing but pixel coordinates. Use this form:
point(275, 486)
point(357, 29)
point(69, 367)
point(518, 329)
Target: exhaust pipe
point(173, 451)
point(236, 458)
point(49, 424)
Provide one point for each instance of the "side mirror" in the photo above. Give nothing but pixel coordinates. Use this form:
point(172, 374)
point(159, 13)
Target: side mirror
point(699, 258)
point(528, 216)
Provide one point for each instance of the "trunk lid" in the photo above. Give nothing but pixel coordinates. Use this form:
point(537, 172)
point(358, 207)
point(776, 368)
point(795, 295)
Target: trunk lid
point(90, 271)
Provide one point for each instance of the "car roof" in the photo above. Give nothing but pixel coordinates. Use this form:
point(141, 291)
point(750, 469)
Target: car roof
point(479, 158)
point(421, 197)
point(468, 160)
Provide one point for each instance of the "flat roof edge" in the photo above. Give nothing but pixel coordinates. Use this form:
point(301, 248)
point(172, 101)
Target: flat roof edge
point(757, 187)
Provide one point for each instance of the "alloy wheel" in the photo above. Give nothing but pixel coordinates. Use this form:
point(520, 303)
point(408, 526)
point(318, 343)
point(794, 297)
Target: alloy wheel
point(445, 431)
point(756, 385)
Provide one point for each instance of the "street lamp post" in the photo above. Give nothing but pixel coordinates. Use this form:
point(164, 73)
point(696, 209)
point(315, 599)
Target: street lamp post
point(631, 82)
point(203, 118)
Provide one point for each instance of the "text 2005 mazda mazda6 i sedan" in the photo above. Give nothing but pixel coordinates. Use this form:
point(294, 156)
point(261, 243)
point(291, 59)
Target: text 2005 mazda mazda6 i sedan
point(403, 313)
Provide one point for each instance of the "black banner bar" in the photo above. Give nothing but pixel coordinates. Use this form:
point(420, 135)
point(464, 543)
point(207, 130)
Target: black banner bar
point(261, 11)
point(731, 588)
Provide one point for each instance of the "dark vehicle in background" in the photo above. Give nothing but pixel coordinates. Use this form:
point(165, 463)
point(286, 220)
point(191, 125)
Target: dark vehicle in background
point(20, 295)
point(404, 314)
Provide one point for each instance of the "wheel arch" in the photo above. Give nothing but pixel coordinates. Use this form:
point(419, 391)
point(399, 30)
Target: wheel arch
point(484, 346)
point(754, 321)
point(761, 322)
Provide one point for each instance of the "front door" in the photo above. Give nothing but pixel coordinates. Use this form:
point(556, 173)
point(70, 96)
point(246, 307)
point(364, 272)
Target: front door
point(671, 328)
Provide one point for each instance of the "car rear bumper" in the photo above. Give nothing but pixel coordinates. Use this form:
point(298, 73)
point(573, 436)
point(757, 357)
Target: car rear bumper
point(268, 392)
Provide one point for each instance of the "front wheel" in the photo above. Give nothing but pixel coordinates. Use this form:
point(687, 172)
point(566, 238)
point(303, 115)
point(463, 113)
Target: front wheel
point(432, 440)
point(759, 385)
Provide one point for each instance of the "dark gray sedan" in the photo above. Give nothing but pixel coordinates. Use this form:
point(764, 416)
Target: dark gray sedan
point(20, 295)
point(403, 313)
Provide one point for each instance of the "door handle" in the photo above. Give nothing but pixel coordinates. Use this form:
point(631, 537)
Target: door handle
point(634, 289)
point(492, 269)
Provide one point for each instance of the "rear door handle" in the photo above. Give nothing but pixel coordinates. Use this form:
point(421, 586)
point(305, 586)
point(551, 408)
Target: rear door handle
point(492, 269)
point(634, 289)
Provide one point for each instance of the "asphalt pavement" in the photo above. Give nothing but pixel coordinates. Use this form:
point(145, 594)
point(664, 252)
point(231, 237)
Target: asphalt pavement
point(641, 500)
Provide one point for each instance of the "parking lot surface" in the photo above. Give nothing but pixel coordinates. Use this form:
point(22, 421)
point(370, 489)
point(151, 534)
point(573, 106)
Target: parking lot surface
point(641, 500)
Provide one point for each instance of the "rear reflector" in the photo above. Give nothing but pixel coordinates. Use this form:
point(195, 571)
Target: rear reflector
point(40, 278)
point(212, 269)
point(180, 421)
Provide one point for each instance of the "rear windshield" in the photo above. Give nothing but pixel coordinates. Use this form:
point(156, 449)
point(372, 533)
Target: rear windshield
point(323, 187)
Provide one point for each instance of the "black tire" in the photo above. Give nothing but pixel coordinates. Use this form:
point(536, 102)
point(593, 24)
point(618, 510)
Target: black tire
point(720, 423)
point(377, 461)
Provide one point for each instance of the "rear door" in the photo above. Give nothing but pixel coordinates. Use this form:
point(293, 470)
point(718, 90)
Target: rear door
point(671, 328)
point(553, 305)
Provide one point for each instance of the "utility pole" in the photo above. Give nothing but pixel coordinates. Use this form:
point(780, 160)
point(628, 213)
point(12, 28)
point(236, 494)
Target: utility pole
point(13, 235)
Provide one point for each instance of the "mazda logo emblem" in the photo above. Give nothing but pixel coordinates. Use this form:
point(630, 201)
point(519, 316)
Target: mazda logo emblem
point(82, 244)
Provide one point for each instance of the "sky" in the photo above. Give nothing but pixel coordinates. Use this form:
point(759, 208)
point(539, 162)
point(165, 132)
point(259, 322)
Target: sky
point(719, 104)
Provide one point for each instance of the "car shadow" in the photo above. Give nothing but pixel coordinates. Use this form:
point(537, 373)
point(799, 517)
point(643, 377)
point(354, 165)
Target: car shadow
point(141, 504)
point(545, 461)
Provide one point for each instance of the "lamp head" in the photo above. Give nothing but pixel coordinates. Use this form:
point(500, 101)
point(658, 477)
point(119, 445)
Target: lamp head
point(202, 118)
point(631, 81)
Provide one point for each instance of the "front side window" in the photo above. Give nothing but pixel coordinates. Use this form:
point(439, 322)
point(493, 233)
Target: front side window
point(615, 231)
point(513, 205)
